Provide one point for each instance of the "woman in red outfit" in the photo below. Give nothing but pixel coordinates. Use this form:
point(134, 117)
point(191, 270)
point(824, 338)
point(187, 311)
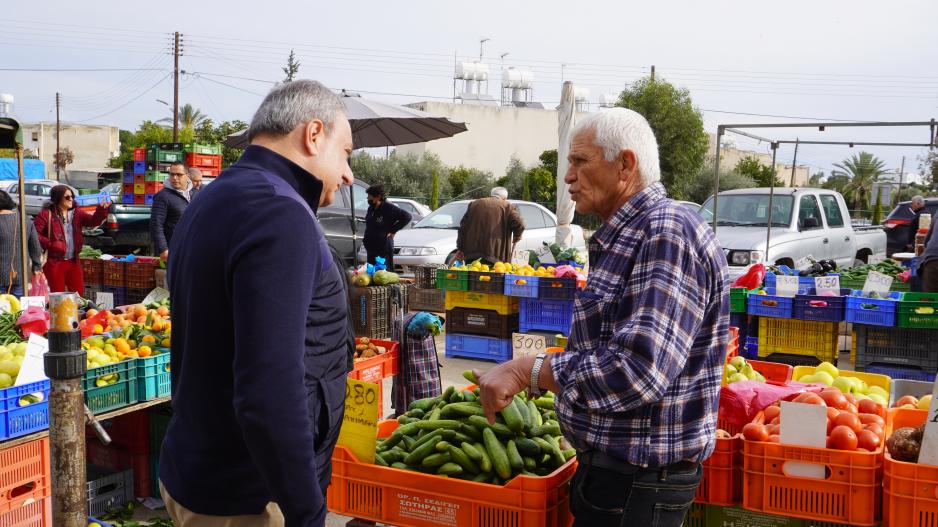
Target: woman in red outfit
point(59, 226)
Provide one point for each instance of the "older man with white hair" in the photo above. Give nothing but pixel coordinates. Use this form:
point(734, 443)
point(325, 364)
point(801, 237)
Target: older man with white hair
point(637, 387)
point(917, 206)
point(489, 229)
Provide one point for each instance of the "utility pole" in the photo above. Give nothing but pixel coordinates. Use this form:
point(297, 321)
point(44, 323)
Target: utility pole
point(652, 73)
point(481, 43)
point(901, 175)
point(176, 88)
point(794, 162)
point(58, 134)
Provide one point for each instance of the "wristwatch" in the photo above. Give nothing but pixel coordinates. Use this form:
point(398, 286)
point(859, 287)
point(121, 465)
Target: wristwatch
point(534, 390)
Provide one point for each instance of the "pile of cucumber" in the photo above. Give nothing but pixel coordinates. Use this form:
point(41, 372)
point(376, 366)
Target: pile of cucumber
point(449, 436)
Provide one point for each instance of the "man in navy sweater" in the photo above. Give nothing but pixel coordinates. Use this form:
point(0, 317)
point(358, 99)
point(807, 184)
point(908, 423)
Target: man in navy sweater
point(260, 336)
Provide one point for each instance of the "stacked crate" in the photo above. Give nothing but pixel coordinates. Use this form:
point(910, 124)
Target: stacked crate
point(129, 282)
point(26, 485)
point(424, 295)
point(480, 318)
point(133, 181)
point(206, 158)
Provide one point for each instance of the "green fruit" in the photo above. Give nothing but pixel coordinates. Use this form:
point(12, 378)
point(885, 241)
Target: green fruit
point(5, 381)
point(736, 377)
point(737, 362)
point(844, 384)
point(824, 377)
point(829, 368)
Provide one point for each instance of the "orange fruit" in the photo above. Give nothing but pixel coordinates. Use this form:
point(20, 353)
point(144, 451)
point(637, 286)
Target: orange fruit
point(163, 311)
point(91, 313)
point(122, 346)
point(98, 329)
point(145, 351)
point(157, 325)
point(148, 339)
point(133, 353)
point(142, 320)
point(139, 310)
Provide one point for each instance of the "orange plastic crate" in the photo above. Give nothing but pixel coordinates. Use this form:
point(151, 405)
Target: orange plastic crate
point(774, 372)
point(722, 481)
point(732, 347)
point(377, 368)
point(24, 474)
point(412, 499)
point(851, 493)
point(34, 514)
point(910, 490)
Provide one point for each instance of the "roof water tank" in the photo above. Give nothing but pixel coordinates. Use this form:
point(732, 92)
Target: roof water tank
point(608, 100)
point(581, 94)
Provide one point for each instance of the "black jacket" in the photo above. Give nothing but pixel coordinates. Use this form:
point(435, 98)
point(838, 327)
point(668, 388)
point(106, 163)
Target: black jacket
point(381, 221)
point(168, 206)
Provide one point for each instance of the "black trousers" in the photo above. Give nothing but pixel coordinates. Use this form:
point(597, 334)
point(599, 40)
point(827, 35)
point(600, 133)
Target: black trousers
point(387, 253)
point(603, 496)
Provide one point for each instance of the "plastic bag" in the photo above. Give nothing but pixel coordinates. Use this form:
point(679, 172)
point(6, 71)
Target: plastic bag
point(39, 286)
point(565, 271)
point(741, 401)
point(753, 277)
point(34, 320)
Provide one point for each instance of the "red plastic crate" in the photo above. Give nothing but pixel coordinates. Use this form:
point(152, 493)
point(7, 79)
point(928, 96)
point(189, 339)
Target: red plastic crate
point(722, 481)
point(140, 154)
point(139, 199)
point(118, 457)
point(33, 514)
point(24, 474)
point(140, 273)
point(113, 273)
point(910, 490)
point(411, 499)
point(139, 179)
point(128, 188)
point(377, 368)
point(851, 493)
point(203, 160)
point(732, 347)
point(152, 187)
point(210, 172)
point(93, 270)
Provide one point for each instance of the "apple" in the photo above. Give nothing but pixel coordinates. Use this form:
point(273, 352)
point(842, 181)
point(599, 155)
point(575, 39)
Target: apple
point(730, 369)
point(879, 399)
point(829, 368)
point(737, 362)
point(925, 402)
point(845, 385)
point(823, 376)
point(736, 377)
point(877, 390)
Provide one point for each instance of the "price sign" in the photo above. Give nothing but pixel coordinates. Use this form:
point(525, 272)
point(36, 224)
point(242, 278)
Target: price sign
point(544, 255)
point(527, 345)
point(928, 455)
point(360, 423)
point(104, 300)
point(5, 306)
point(786, 286)
point(874, 259)
point(877, 282)
point(520, 257)
point(804, 425)
point(804, 262)
point(32, 369)
point(27, 302)
point(825, 284)
point(157, 295)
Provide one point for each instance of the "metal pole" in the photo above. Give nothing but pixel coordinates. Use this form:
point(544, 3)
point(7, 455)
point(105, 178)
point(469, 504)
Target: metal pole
point(351, 193)
point(794, 162)
point(768, 230)
point(25, 266)
point(58, 135)
point(176, 88)
point(901, 174)
point(652, 73)
point(716, 177)
point(65, 366)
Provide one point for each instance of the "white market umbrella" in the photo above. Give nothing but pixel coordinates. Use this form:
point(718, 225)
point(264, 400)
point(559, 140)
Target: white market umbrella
point(567, 120)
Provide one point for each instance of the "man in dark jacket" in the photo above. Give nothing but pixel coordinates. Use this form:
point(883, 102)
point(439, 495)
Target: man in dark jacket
point(489, 229)
point(917, 206)
point(168, 206)
point(382, 221)
point(260, 325)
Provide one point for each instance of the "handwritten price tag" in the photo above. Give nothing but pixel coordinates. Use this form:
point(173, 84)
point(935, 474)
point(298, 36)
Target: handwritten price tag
point(520, 257)
point(827, 284)
point(804, 262)
point(104, 300)
point(544, 255)
point(525, 345)
point(786, 286)
point(874, 259)
point(360, 423)
point(877, 282)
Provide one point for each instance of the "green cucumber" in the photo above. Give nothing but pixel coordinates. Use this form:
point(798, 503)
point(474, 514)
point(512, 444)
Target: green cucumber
point(457, 410)
point(471, 377)
point(497, 453)
point(482, 477)
point(529, 463)
point(482, 424)
point(552, 429)
point(468, 396)
point(401, 466)
point(416, 412)
point(535, 413)
point(462, 459)
point(421, 440)
point(433, 425)
point(409, 443)
point(471, 431)
point(568, 453)
point(449, 469)
point(433, 415)
point(514, 458)
point(422, 451)
point(513, 419)
point(423, 405)
point(523, 410)
point(380, 460)
point(435, 460)
point(486, 463)
point(545, 403)
point(442, 446)
point(471, 452)
point(527, 447)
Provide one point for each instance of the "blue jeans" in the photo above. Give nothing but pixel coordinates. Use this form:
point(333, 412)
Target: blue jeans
point(631, 496)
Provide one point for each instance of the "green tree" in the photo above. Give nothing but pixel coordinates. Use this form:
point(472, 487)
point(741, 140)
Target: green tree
point(208, 133)
point(435, 191)
point(817, 179)
point(190, 117)
point(929, 169)
point(291, 68)
point(702, 188)
point(836, 181)
point(678, 126)
point(549, 161)
point(543, 186)
point(863, 169)
point(878, 208)
point(751, 167)
point(526, 187)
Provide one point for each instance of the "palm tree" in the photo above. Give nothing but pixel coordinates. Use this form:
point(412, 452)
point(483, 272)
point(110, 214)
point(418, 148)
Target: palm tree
point(863, 169)
point(190, 117)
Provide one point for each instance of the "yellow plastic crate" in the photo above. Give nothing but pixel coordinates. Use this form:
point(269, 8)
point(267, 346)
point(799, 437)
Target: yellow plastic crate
point(504, 305)
point(798, 337)
point(871, 379)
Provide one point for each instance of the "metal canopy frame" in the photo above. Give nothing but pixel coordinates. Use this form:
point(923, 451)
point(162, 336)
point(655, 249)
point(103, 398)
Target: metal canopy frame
point(821, 126)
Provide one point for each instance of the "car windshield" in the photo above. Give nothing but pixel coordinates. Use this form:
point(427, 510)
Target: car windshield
point(446, 217)
point(749, 210)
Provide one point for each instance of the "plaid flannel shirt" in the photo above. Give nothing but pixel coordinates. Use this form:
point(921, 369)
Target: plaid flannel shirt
point(640, 379)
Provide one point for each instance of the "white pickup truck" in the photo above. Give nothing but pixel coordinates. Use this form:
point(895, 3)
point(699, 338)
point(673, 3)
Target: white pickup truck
point(805, 222)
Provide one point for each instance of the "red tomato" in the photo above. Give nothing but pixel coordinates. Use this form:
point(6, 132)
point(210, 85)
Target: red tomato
point(875, 428)
point(776, 421)
point(869, 440)
point(906, 399)
point(849, 420)
point(773, 429)
point(834, 397)
point(810, 398)
point(755, 432)
point(872, 419)
point(831, 423)
point(771, 412)
point(869, 406)
point(852, 408)
point(843, 438)
point(850, 398)
point(832, 413)
point(773, 438)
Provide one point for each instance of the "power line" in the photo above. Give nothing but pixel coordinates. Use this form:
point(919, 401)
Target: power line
point(141, 94)
point(80, 69)
point(234, 87)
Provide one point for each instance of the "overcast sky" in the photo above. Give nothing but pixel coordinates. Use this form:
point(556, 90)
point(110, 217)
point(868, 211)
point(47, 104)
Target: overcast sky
point(845, 60)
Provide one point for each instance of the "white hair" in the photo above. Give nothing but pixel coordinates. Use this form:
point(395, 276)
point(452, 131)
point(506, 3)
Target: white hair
point(291, 104)
point(618, 129)
point(918, 199)
point(500, 192)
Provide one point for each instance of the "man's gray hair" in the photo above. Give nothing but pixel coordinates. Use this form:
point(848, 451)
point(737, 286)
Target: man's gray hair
point(918, 199)
point(500, 192)
point(293, 103)
point(193, 171)
point(618, 129)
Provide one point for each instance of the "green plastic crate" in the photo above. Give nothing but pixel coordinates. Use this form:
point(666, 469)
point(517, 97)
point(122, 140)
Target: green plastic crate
point(166, 156)
point(196, 148)
point(897, 285)
point(913, 311)
point(738, 297)
point(158, 177)
point(113, 396)
point(452, 280)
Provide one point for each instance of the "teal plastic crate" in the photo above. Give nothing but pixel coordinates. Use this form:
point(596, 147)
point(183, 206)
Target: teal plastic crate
point(153, 377)
point(121, 393)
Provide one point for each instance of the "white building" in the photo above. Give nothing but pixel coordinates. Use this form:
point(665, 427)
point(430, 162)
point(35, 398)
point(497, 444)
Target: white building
point(730, 156)
point(92, 145)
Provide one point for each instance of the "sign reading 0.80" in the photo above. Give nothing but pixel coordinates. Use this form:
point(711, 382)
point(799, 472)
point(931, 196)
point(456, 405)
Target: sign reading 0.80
point(360, 422)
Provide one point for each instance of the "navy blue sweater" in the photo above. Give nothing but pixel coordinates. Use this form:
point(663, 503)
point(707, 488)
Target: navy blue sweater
point(260, 346)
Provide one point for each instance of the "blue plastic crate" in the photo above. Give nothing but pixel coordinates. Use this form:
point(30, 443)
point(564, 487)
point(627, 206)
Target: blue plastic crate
point(877, 311)
point(741, 321)
point(546, 315)
point(475, 347)
point(833, 311)
point(140, 167)
point(556, 288)
point(148, 199)
point(127, 198)
point(898, 372)
point(770, 305)
point(128, 177)
point(119, 292)
point(99, 522)
point(529, 289)
point(16, 420)
point(752, 348)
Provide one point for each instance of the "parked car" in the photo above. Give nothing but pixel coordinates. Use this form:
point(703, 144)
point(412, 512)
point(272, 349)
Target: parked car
point(433, 239)
point(37, 193)
point(417, 210)
point(898, 222)
point(805, 222)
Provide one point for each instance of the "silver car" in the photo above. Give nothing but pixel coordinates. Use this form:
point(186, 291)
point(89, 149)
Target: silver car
point(37, 193)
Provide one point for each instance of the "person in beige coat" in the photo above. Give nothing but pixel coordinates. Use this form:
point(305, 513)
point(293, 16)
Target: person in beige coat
point(489, 229)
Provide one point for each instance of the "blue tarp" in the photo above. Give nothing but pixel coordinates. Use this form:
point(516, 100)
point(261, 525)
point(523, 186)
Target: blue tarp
point(32, 169)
